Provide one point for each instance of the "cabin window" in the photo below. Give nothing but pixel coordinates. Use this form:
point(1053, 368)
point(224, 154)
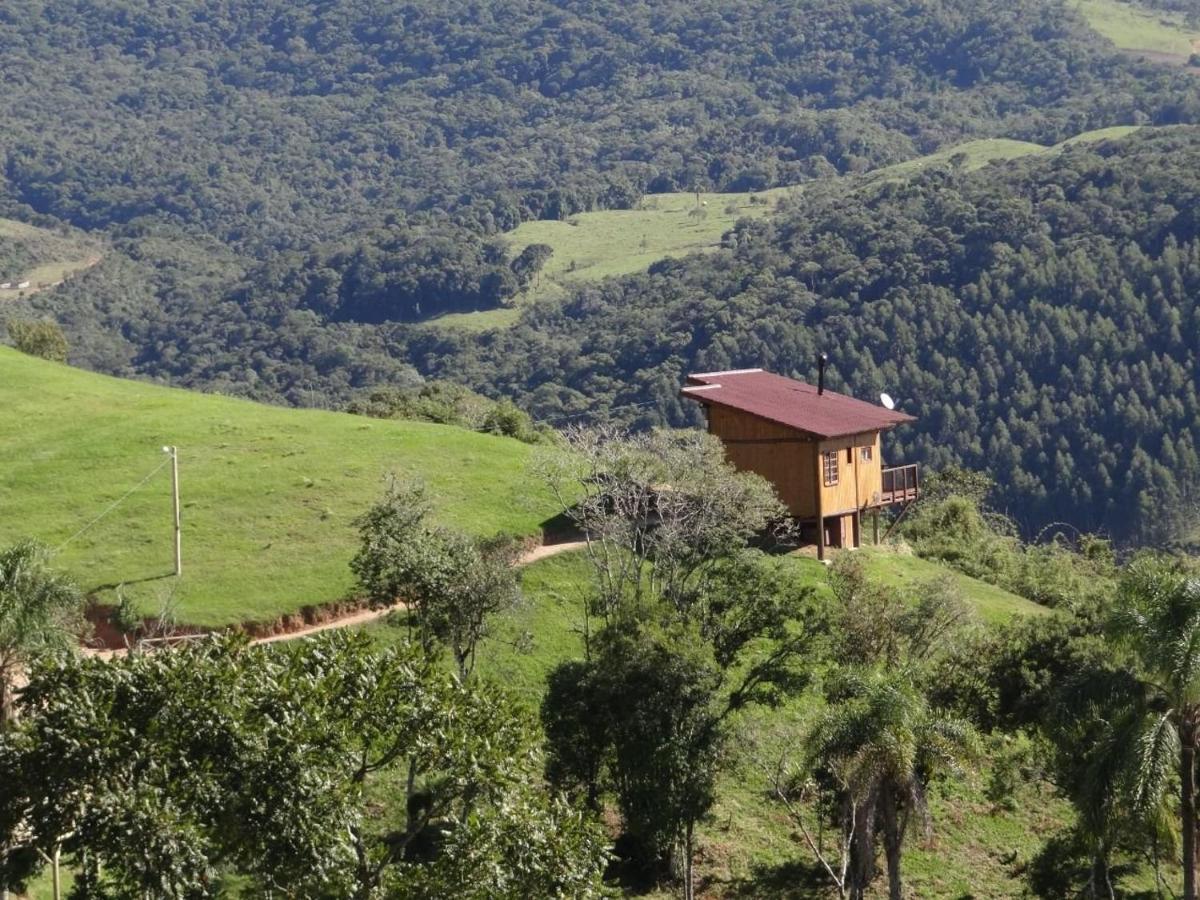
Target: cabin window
point(829, 460)
point(867, 453)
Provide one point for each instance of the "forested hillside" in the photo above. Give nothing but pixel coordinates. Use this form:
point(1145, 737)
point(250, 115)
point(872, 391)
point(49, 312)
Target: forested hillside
point(1040, 317)
point(398, 133)
point(271, 124)
point(285, 188)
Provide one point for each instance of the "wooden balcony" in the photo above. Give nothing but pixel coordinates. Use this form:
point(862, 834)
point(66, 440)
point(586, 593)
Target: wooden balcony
point(901, 484)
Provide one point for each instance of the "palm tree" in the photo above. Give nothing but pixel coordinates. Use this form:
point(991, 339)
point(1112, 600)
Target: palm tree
point(881, 740)
point(40, 610)
point(1157, 619)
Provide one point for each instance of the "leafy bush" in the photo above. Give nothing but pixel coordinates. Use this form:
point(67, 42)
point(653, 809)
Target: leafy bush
point(955, 530)
point(958, 530)
point(42, 338)
point(447, 403)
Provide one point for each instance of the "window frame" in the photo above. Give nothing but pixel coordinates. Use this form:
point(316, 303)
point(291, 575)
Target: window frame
point(830, 467)
point(868, 453)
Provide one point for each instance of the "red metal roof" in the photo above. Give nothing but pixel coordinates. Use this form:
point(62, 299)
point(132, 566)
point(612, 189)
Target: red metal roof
point(791, 403)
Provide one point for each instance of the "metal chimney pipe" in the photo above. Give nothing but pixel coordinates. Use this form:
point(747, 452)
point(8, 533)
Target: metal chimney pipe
point(821, 361)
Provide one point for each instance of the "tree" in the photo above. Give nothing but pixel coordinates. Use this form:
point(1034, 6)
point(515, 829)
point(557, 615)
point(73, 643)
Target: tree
point(666, 713)
point(650, 712)
point(41, 611)
point(881, 741)
point(529, 262)
point(42, 338)
point(1157, 621)
point(387, 531)
point(157, 771)
point(866, 761)
point(874, 624)
point(659, 511)
point(577, 732)
point(695, 626)
point(453, 584)
point(1095, 730)
point(527, 848)
point(812, 798)
point(459, 610)
point(1085, 711)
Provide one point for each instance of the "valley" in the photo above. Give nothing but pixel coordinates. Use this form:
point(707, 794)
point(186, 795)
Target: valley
point(625, 449)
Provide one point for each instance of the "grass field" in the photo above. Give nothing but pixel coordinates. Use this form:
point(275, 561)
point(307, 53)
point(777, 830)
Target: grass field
point(596, 245)
point(900, 569)
point(56, 255)
point(268, 493)
point(1138, 29)
point(976, 154)
point(973, 155)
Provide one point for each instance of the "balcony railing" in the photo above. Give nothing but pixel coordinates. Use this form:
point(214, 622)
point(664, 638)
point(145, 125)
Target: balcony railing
point(901, 484)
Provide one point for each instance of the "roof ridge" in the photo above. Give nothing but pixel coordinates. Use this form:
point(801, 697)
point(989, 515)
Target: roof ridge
point(792, 403)
point(726, 372)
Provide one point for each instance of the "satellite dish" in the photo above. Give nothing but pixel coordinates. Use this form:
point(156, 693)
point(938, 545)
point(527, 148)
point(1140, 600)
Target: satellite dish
point(886, 400)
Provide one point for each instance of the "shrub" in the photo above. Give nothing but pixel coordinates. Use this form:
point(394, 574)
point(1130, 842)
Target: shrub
point(956, 528)
point(447, 403)
point(42, 338)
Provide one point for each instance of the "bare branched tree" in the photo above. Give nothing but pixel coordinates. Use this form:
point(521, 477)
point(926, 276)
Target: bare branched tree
point(657, 510)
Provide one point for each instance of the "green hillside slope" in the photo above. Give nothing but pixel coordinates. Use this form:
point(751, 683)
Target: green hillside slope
point(747, 847)
point(595, 245)
point(1157, 33)
point(268, 493)
point(592, 246)
point(41, 256)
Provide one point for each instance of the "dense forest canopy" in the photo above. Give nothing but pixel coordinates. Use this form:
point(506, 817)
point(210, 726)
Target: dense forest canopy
point(1040, 317)
point(273, 124)
point(14, 259)
point(1189, 7)
point(284, 187)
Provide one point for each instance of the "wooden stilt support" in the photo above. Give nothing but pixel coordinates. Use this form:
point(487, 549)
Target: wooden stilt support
point(820, 503)
point(904, 509)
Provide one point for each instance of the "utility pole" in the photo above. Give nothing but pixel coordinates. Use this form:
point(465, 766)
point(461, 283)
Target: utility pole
point(174, 452)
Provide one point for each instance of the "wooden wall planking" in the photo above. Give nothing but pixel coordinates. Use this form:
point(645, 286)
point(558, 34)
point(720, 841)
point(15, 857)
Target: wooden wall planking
point(858, 480)
point(788, 459)
point(781, 455)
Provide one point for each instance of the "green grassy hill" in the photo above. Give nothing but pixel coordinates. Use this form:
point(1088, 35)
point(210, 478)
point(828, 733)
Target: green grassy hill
point(976, 154)
point(268, 493)
point(595, 245)
point(1156, 33)
point(41, 256)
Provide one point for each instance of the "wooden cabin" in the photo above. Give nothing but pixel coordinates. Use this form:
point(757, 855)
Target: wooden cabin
point(822, 451)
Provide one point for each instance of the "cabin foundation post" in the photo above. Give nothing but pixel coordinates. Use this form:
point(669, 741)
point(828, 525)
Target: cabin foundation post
point(817, 458)
point(875, 525)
